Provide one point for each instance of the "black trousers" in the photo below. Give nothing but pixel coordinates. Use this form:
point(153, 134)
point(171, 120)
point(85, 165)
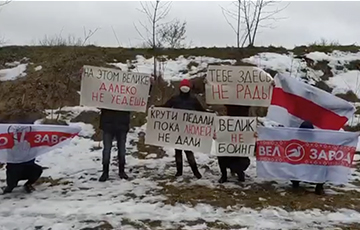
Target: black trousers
point(17, 172)
point(190, 158)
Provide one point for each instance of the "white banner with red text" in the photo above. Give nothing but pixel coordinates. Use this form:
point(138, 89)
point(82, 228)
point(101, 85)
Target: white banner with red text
point(238, 85)
point(180, 129)
point(235, 136)
point(21, 143)
point(308, 155)
point(114, 89)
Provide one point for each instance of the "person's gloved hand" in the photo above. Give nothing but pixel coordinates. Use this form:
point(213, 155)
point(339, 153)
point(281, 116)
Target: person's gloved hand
point(81, 72)
point(272, 83)
point(152, 79)
point(214, 136)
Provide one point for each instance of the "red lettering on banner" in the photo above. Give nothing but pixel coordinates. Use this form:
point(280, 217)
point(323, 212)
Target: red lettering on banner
point(198, 130)
point(119, 89)
point(36, 139)
point(260, 92)
point(237, 138)
point(96, 96)
point(219, 92)
point(102, 87)
point(298, 152)
point(115, 99)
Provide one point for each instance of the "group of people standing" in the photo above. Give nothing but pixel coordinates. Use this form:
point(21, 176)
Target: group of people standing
point(117, 123)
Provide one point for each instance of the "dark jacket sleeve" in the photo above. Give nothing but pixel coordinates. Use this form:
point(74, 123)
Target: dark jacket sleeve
point(198, 106)
point(169, 103)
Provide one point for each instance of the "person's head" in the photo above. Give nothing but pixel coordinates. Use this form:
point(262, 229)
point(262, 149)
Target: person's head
point(185, 86)
point(306, 125)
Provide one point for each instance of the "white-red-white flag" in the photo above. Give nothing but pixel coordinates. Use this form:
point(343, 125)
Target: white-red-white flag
point(294, 101)
point(311, 155)
point(21, 143)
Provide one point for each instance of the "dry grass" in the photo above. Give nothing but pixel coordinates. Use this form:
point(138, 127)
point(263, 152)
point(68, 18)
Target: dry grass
point(52, 182)
point(99, 225)
point(259, 196)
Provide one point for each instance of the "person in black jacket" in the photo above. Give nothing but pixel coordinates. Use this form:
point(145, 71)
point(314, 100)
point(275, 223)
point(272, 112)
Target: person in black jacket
point(319, 189)
point(185, 100)
point(114, 124)
point(236, 164)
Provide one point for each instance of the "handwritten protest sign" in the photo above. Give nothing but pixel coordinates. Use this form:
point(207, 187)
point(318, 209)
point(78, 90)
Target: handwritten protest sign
point(235, 136)
point(114, 89)
point(182, 129)
point(238, 85)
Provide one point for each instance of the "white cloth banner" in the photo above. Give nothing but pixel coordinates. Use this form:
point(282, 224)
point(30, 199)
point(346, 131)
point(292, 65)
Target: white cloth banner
point(310, 155)
point(180, 129)
point(235, 136)
point(238, 85)
point(114, 89)
point(21, 143)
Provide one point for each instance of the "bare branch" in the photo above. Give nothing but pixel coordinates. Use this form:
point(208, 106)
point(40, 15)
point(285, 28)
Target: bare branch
point(88, 35)
point(117, 40)
point(153, 31)
point(3, 3)
point(253, 15)
point(172, 34)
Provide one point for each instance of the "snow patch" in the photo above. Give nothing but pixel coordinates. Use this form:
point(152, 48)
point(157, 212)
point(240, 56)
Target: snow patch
point(346, 81)
point(13, 73)
point(172, 69)
point(38, 68)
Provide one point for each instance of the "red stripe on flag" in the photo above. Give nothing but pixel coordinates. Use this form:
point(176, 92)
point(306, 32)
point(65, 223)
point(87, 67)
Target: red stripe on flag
point(36, 139)
point(307, 110)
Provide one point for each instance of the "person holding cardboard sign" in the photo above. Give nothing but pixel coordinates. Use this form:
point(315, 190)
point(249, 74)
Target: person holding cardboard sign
point(236, 164)
point(185, 100)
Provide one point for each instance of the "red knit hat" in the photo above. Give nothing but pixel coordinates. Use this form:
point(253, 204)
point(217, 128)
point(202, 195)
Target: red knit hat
point(185, 82)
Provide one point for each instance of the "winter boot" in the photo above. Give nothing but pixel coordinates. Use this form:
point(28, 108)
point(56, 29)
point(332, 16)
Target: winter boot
point(241, 176)
point(319, 189)
point(122, 173)
point(7, 189)
point(295, 184)
point(28, 188)
point(191, 159)
point(195, 170)
point(105, 174)
point(223, 179)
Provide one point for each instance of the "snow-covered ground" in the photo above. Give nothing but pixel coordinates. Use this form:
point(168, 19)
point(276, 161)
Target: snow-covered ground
point(172, 69)
point(78, 200)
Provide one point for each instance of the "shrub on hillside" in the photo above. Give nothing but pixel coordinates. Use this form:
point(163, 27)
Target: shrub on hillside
point(348, 96)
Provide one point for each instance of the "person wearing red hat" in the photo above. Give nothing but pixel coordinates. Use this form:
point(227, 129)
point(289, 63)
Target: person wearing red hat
point(187, 101)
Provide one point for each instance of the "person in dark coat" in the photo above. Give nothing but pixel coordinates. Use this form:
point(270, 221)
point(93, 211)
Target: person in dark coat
point(319, 189)
point(114, 124)
point(29, 171)
point(185, 100)
point(237, 165)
